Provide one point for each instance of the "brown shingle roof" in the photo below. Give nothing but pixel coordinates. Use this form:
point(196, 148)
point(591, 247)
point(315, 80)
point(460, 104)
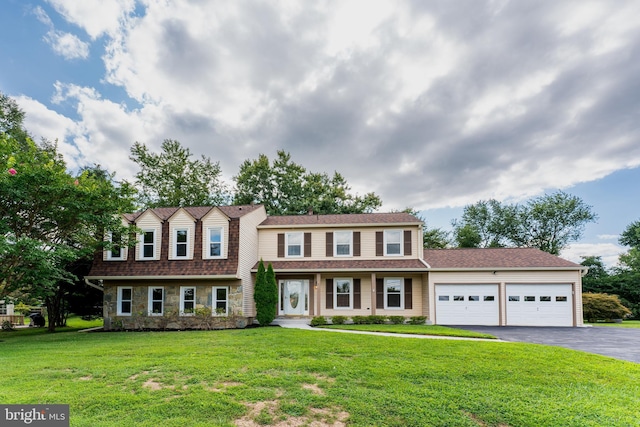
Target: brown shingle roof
point(494, 258)
point(352, 264)
point(197, 211)
point(343, 219)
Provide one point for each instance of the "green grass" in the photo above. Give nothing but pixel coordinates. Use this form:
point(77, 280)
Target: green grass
point(624, 324)
point(269, 375)
point(414, 330)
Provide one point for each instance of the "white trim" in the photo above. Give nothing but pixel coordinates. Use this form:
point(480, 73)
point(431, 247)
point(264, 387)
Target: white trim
point(207, 248)
point(214, 301)
point(386, 299)
point(345, 225)
point(335, 243)
point(335, 293)
point(287, 236)
point(119, 301)
point(385, 242)
point(176, 243)
point(151, 301)
point(110, 256)
point(141, 256)
point(186, 277)
point(183, 300)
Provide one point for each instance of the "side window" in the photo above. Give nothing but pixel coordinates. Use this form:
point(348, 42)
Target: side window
point(125, 301)
point(215, 243)
point(148, 244)
point(293, 245)
point(156, 301)
point(342, 243)
point(393, 291)
point(220, 301)
point(393, 242)
point(181, 243)
point(343, 293)
point(187, 300)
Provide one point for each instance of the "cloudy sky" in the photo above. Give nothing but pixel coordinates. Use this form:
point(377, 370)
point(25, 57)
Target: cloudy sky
point(430, 104)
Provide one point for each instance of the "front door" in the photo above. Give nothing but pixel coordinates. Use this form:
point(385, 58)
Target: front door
point(293, 297)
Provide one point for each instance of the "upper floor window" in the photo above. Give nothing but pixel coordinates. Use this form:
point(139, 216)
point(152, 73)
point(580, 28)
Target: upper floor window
point(125, 300)
point(187, 300)
point(393, 242)
point(116, 252)
point(293, 244)
point(215, 243)
point(148, 245)
point(181, 243)
point(156, 301)
point(393, 292)
point(342, 243)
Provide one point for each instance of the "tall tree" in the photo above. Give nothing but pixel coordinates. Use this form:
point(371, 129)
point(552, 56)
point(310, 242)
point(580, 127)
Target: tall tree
point(287, 188)
point(265, 295)
point(173, 178)
point(631, 235)
point(487, 223)
point(432, 238)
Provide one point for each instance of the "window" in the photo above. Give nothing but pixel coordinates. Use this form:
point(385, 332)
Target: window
point(474, 298)
point(125, 300)
point(545, 299)
point(342, 243)
point(187, 300)
point(443, 298)
point(220, 301)
point(561, 299)
point(156, 301)
point(293, 244)
point(343, 293)
point(458, 297)
point(116, 252)
point(393, 290)
point(148, 246)
point(393, 242)
point(529, 298)
point(181, 248)
point(489, 298)
point(215, 243)
point(3, 309)
point(514, 298)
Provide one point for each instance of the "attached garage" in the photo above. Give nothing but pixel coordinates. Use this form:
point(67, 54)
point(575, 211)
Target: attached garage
point(467, 304)
point(539, 304)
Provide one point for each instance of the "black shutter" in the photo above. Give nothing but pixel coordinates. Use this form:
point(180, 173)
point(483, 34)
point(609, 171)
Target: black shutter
point(329, 294)
point(329, 244)
point(356, 293)
point(280, 245)
point(379, 293)
point(307, 245)
point(356, 243)
point(408, 294)
point(407, 242)
point(379, 243)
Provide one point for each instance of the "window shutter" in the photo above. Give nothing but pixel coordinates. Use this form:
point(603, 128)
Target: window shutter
point(280, 245)
point(307, 245)
point(356, 243)
point(407, 242)
point(379, 293)
point(329, 294)
point(329, 244)
point(356, 293)
point(408, 294)
point(379, 243)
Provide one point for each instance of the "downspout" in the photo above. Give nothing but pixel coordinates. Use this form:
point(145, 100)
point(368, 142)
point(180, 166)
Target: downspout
point(88, 283)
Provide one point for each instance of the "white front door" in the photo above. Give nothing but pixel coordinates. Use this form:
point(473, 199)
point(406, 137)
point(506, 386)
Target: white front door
point(293, 297)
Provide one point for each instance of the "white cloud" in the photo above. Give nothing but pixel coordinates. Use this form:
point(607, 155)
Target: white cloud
point(96, 17)
point(608, 251)
point(64, 44)
point(608, 236)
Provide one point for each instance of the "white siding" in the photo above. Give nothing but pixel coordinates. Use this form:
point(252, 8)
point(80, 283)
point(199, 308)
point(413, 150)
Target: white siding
point(248, 256)
point(181, 220)
point(215, 218)
point(148, 221)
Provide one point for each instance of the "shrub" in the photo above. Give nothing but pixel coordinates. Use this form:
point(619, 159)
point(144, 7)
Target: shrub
point(376, 320)
point(339, 320)
point(396, 320)
point(265, 295)
point(318, 321)
point(603, 307)
point(7, 326)
point(417, 320)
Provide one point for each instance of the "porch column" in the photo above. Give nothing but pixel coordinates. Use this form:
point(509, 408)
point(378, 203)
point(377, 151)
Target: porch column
point(317, 292)
point(373, 294)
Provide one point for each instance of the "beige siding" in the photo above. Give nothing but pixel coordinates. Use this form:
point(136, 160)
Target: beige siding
point(148, 221)
point(248, 256)
point(215, 218)
point(181, 220)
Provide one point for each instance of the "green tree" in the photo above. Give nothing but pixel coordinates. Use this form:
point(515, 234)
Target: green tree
point(487, 223)
point(265, 295)
point(603, 307)
point(597, 279)
point(173, 178)
point(432, 238)
point(287, 188)
point(631, 235)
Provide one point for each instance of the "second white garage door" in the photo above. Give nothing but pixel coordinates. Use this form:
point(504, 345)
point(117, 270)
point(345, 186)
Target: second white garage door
point(539, 305)
point(467, 304)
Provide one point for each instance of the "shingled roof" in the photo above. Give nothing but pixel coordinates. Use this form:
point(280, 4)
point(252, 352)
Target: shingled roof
point(473, 258)
point(196, 212)
point(350, 265)
point(342, 219)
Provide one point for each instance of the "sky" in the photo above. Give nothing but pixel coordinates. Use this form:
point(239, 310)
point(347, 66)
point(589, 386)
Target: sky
point(432, 105)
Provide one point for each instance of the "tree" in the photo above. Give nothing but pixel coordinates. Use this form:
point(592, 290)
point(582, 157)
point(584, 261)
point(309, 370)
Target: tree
point(603, 307)
point(432, 238)
point(287, 188)
point(265, 295)
point(49, 218)
point(631, 235)
point(597, 277)
point(485, 224)
point(172, 178)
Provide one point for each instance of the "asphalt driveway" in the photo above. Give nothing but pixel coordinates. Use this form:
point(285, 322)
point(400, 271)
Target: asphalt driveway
point(621, 343)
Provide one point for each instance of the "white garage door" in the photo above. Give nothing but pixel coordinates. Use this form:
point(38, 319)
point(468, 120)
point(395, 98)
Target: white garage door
point(539, 305)
point(467, 304)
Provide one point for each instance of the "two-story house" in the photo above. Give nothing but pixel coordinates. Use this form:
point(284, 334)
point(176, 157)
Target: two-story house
point(195, 267)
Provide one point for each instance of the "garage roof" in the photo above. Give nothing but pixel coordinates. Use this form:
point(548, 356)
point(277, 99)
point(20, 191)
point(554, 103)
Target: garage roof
point(495, 258)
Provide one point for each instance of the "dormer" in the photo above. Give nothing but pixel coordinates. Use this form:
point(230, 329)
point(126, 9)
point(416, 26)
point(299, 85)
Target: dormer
point(215, 235)
point(148, 247)
point(181, 235)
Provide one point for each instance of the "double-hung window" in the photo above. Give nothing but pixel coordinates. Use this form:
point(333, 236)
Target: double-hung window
point(125, 300)
point(393, 291)
point(116, 252)
point(393, 242)
point(342, 243)
point(187, 300)
point(220, 300)
point(215, 243)
point(148, 244)
point(293, 245)
point(343, 293)
point(181, 243)
point(156, 301)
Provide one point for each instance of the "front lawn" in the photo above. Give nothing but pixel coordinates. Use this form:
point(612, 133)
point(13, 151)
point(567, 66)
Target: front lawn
point(414, 330)
point(624, 324)
point(266, 376)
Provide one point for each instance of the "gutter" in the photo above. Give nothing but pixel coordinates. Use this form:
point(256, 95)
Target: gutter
point(88, 283)
point(185, 277)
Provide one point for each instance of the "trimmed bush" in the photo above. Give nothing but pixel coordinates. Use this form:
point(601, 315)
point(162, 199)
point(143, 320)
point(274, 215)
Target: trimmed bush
point(376, 320)
point(318, 321)
point(396, 320)
point(339, 320)
point(603, 307)
point(417, 320)
point(359, 320)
